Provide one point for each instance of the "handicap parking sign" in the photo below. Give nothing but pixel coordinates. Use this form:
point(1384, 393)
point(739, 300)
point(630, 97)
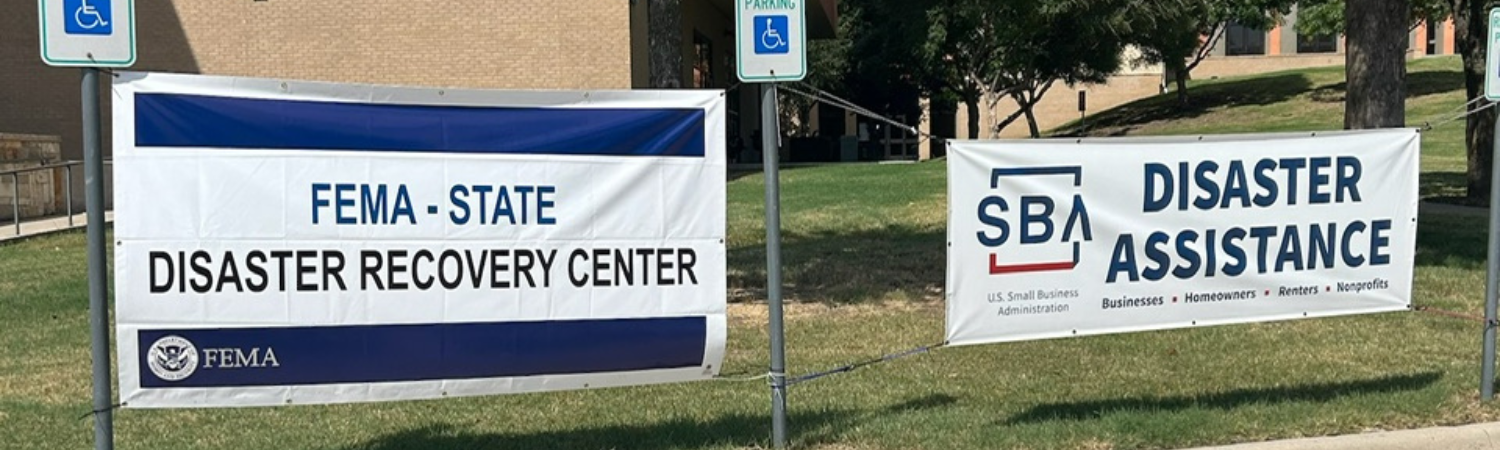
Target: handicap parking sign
point(771, 35)
point(770, 40)
point(87, 17)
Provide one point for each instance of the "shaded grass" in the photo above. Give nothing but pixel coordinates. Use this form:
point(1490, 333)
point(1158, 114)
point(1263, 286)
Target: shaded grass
point(1304, 100)
point(864, 255)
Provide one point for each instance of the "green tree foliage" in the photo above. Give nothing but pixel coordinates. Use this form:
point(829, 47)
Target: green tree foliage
point(1018, 49)
point(1324, 17)
point(875, 61)
point(828, 69)
point(1179, 34)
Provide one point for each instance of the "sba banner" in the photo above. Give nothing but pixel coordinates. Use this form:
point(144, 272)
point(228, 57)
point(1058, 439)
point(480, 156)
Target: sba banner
point(1054, 238)
point(293, 243)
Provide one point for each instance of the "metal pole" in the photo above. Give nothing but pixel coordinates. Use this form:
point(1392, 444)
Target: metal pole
point(68, 192)
point(770, 140)
point(1487, 371)
point(15, 200)
point(93, 180)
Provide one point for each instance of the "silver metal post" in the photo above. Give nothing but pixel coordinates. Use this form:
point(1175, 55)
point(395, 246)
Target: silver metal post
point(770, 146)
point(15, 200)
point(68, 192)
point(93, 179)
point(1487, 372)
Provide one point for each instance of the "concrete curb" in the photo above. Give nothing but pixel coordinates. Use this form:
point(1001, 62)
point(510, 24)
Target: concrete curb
point(1468, 437)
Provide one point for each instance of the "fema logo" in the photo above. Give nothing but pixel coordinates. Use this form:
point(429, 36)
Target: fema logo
point(1038, 231)
point(172, 358)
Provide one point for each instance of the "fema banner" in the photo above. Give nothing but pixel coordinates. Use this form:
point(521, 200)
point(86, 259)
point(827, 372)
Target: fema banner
point(1054, 238)
point(293, 243)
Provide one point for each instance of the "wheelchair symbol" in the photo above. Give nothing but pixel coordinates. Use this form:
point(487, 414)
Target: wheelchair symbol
point(771, 39)
point(770, 35)
point(85, 11)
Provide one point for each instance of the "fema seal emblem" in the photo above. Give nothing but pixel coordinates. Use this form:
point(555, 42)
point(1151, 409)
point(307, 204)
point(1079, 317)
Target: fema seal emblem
point(172, 358)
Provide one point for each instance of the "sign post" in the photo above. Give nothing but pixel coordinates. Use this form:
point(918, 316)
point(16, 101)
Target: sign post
point(92, 34)
point(771, 47)
point(1492, 93)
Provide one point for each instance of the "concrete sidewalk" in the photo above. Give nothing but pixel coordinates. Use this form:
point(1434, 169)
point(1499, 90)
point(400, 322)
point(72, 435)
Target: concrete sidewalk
point(49, 225)
point(1467, 437)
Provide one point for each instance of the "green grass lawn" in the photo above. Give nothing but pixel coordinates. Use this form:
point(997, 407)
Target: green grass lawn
point(864, 261)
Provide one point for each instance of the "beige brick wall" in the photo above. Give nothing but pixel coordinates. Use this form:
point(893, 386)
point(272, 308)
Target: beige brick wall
point(38, 189)
point(1229, 66)
point(539, 44)
point(1060, 105)
point(476, 43)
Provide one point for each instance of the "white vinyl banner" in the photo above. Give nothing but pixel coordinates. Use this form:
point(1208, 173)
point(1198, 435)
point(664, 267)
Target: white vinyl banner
point(1055, 238)
point(284, 242)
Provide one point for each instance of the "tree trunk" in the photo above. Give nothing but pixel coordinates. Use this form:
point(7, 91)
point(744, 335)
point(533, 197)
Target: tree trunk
point(1470, 19)
point(664, 28)
point(1031, 117)
point(972, 106)
point(1375, 63)
point(1182, 98)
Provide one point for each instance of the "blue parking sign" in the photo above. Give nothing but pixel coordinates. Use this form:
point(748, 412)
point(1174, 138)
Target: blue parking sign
point(771, 35)
point(88, 17)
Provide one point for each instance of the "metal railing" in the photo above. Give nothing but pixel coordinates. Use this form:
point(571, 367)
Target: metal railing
point(15, 186)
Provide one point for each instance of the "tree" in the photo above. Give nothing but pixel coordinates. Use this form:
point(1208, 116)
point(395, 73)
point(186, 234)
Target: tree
point(1072, 41)
point(1470, 19)
point(664, 28)
point(887, 73)
point(989, 50)
point(828, 69)
point(1324, 17)
point(961, 44)
point(1375, 64)
point(1180, 34)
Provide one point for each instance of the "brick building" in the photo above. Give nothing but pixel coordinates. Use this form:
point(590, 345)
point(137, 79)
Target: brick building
point(514, 44)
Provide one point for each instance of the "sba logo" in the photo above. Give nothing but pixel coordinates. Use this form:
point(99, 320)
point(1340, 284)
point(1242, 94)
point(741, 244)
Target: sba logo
point(1046, 227)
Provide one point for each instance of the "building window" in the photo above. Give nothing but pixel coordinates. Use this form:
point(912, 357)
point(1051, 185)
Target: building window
point(703, 61)
point(1434, 29)
point(1243, 40)
point(1327, 43)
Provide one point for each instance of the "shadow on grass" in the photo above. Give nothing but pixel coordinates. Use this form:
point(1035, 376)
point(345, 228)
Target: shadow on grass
point(1451, 240)
point(1266, 90)
point(1427, 82)
point(1253, 91)
point(1321, 392)
point(734, 430)
point(1444, 187)
point(742, 172)
point(847, 268)
point(737, 430)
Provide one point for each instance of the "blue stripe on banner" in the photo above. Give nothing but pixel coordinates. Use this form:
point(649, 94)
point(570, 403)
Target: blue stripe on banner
point(383, 353)
point(177, 120)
